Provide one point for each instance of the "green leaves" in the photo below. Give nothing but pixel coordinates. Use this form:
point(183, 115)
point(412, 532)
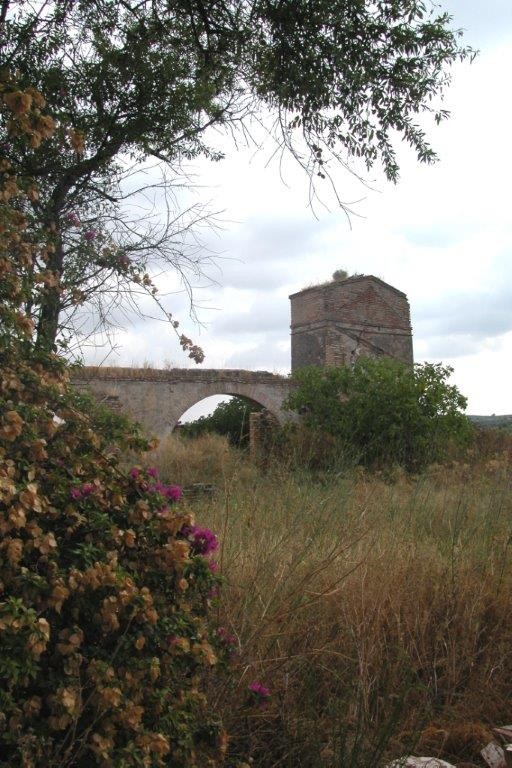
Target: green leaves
point(385, 411)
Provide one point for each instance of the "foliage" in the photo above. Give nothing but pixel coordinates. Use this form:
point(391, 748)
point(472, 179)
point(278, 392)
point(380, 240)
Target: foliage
point(134, 80)
point(230, 418)
point(105, 581)
point(384, 411)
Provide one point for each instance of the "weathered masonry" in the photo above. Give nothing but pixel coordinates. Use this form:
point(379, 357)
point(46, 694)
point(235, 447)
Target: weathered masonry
point(334, 323)
point(157, 398)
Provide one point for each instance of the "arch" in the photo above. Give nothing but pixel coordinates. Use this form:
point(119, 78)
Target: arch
point(195, 393)
point(212, 406)
point(157, 398)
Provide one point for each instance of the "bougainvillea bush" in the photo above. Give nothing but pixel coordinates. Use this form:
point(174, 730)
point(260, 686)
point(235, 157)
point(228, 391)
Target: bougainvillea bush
point(105, 580)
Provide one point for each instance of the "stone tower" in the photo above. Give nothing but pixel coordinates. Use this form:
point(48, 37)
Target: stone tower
point(334, 323)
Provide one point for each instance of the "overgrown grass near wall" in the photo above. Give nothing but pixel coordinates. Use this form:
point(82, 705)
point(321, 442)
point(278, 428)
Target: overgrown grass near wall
point(377, 613)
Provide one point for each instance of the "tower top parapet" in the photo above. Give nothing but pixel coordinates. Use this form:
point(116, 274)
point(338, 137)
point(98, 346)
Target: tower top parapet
point(335, 322)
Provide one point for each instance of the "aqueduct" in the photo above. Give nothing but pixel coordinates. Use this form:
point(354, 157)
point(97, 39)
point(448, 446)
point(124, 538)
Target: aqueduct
point(158, 398)
point(331, 324)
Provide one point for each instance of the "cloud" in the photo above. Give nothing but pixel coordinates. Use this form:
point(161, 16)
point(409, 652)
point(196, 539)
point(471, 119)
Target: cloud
point(264, 252)
point(270, 314)
point(265, 356)
point(478, 316)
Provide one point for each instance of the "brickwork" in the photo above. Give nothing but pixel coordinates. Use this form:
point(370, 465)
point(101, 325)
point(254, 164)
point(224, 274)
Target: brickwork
point(334, 323)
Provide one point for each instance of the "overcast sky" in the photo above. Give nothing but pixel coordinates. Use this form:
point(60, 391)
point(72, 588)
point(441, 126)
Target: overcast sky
point(443, 235)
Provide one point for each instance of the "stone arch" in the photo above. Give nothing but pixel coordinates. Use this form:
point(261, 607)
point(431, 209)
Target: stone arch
point(196, 394)
point(157, 398)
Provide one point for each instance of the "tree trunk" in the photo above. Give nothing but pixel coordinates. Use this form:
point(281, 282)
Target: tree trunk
point(48, 322)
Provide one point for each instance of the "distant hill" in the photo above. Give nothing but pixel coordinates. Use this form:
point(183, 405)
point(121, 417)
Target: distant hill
point(491, 421)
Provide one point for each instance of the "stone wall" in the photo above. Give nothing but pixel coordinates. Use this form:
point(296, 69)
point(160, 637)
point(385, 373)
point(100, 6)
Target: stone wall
point(334, 323)
point(158, 398)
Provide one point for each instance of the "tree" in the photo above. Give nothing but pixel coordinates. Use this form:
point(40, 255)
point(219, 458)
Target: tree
point(384, 411)
point(230, 418)
point(143, 79)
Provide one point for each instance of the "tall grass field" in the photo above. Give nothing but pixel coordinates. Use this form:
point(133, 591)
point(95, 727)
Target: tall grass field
point(377, 610)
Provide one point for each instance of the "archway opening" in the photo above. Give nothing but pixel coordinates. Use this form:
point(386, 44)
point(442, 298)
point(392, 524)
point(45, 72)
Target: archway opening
point(225, 415)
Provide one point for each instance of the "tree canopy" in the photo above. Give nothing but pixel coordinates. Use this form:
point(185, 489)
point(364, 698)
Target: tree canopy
point(383, 411)
point(139, 79)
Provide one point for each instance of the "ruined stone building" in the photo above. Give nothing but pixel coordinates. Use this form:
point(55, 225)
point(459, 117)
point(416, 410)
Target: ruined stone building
point(336, 322)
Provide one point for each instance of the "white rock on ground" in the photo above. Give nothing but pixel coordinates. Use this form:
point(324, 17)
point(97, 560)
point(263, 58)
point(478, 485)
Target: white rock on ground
point(419, 762)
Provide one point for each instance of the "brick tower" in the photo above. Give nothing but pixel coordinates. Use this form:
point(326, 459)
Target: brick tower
point(334, 323)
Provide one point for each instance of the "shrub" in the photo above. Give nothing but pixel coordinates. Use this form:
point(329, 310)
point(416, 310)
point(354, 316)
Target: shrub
point(105, 581)
point(105, 594)
point(383, 411)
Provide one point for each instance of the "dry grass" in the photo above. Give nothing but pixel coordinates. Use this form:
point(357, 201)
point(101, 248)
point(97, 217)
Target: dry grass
point(378, 614)
point(205, 459)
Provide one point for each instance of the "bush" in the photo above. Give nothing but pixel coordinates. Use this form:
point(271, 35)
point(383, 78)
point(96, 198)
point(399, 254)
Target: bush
point(105, 591)
point(383, 412)
point(105, 581)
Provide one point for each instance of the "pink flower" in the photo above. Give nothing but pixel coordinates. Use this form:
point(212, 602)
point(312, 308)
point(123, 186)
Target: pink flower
point(90, 235)
point(213, 593)
point(202, 540)
point(213, 566)
point(81, 493)
point(152, 471)
point(226, 636)
point(170, 492)
point(260, 692)
point(173, 492)
point(73, 219)
point(134, 473)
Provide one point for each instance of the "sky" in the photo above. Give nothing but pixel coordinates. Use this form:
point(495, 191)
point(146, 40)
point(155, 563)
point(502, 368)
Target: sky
point(443, 235)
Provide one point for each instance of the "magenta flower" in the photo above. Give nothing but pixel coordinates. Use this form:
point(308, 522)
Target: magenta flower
point(90, 235)
point(213, 566)
point(169, 492)
point(260, 692)
point(173, 492)
point(202, 540)
point(152, 471)
point(73, 219)
point(83, 491)
point(213, 592)
point(134, 473)
point(226, 637)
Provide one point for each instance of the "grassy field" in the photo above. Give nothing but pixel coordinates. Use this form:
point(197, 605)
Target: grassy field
point(378, 612)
